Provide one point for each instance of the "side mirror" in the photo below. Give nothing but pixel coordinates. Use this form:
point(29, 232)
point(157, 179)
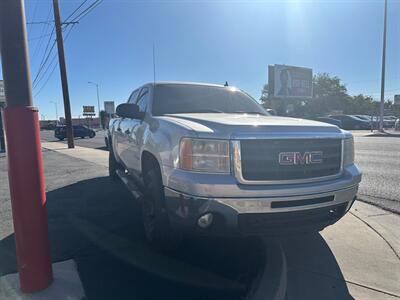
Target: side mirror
point(129, 110)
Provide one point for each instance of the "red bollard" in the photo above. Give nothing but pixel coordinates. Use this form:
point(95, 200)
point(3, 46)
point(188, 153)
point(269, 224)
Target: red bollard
point(25, 173)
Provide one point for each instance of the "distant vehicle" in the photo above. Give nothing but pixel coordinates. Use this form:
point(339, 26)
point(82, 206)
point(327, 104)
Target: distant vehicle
point(363, 117)
point(49, 126)
point(332, 121)
point(79, 131)
point(351, 122)
point(371, 119)
point(389, 121)
point(397, 125)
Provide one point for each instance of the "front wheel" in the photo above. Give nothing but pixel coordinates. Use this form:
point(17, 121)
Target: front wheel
point(91, 135)
point(113, 166)
point(157, 228)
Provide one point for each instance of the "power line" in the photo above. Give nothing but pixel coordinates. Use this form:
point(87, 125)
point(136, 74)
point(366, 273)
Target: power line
point(42, 68)
point(40, 42)
point(55, 65)
point(40, 74)
point(33, 17)
point(89, 9)
point(39, 22)
point(38, 37)
point(76, 9)
point(45, 57)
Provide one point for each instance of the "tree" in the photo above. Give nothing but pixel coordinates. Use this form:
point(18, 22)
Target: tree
point(329, 95)
point(264, 99)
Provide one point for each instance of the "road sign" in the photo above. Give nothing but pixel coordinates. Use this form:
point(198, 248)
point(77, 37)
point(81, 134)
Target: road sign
point(289, 81)
point(88, 110)
point(2, 92)
point(109, 107)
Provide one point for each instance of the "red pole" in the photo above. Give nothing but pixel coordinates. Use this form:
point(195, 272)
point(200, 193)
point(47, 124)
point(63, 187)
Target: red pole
point(25, 172)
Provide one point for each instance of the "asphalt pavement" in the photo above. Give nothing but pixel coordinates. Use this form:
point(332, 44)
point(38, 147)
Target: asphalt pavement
point(96, 143)
point(379, 161)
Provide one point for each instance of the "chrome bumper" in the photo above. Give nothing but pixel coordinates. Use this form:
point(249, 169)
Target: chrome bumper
point(185, 209)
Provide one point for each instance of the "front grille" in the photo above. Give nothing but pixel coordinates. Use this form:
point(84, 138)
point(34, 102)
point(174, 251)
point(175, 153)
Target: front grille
point(290, 221)
point(260, 159)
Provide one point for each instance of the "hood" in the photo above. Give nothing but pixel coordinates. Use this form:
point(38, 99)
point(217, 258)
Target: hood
point(232, 125)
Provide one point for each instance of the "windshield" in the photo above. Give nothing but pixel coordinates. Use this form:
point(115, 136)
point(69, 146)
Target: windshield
point(179, 98)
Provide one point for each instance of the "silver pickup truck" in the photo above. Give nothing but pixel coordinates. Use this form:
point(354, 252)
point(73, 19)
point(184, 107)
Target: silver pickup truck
point(209, 159)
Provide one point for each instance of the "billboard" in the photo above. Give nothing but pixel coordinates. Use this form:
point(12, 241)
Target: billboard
point(109, 107)
point(289, 81)
point(397, 100)
point(88, 110)
point(2, 92)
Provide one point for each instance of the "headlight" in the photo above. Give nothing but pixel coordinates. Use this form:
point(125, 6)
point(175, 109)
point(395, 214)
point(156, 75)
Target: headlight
point(348, 152)
point(204, 155)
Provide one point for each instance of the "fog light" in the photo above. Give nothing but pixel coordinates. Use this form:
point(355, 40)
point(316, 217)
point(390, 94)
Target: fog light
point(205, 220)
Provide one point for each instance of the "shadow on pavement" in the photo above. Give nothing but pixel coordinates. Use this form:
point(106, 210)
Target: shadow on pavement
point(96, 222)
point(313, 272)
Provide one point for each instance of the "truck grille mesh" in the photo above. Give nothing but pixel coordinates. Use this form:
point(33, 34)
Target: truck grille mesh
point(260, 159)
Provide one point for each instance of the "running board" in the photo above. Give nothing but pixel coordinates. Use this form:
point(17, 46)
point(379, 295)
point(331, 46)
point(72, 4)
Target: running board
point(130, 184)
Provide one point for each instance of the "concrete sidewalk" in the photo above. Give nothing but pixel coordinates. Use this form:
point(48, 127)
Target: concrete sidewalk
point(357, 257)
point(96, 156)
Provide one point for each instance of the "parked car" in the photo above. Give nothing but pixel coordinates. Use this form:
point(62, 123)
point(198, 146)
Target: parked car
point(208, 159)
point(371, 119)
point(79, 131)
point(389, 121)
point(351, 122)
point(332, 121)
point(397, 125)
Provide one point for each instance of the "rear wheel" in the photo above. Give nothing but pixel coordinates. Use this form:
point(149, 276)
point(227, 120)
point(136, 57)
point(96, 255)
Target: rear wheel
point(91, 135)
point(157, 228)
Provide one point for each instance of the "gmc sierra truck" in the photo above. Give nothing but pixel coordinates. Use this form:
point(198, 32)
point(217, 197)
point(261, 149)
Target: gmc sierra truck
point(209, 159)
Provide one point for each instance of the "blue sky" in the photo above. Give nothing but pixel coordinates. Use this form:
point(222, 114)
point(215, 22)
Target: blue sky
point(214, 41)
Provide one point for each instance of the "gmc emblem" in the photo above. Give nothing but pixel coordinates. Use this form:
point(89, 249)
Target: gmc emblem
point(296, 158)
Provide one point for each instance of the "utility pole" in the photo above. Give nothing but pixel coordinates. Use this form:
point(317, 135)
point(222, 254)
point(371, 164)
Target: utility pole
point(63, 73)
point(98, 97)
point(25, 166)
point(383, 71)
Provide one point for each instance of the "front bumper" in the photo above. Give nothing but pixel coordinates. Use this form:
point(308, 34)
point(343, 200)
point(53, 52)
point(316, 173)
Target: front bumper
point(259, 215)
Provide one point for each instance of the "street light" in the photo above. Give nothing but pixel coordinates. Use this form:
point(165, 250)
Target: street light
point(98, 97)
point(55, 105)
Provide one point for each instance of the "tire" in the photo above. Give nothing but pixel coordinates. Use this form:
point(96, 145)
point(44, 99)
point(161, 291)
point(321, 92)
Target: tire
point(91, 135)
point(60, 139)
point(157, 228)
point(113, 166)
